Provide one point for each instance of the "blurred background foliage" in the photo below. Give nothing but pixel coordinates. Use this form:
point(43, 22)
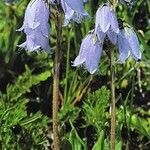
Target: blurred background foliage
point(26, 91)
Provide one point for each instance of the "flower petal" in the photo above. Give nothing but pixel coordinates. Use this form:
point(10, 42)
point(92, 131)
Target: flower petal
point(76, 5)
point(90, 53)
point(102, 19)
point(83, 50)
point(93, 57)
point(123, 46)
point(134, 43)
point(112, 37)
point(113, 21)
point(29, 45)
point(68, 12)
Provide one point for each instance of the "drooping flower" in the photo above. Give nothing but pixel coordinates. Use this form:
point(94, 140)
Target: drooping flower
point(106, 24)
point(73, 10)
point(106, 19)
point(128, 44)
point(36, 26)
point(90, 53)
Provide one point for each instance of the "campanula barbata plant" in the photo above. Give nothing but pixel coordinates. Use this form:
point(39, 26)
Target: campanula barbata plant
point(37, 29)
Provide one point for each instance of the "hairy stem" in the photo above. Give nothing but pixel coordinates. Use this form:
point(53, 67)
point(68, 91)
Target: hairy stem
point(113, 101)
point(113, 122)
point(58, 26)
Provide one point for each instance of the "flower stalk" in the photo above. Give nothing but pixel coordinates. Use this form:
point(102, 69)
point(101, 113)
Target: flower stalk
point(58, 26)
point(113, 101)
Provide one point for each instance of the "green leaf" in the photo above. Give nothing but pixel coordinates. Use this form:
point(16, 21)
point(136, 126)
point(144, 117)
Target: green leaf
point(99, 145)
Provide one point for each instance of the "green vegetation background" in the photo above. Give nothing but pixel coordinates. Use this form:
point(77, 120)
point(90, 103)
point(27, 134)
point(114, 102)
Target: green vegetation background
point(26, 87)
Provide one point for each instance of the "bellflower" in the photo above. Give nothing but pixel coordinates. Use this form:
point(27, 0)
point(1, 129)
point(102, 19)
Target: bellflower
point(106, 24)
point(90, 53)
point(36, 26)
point(128, 44)
point(73, 10)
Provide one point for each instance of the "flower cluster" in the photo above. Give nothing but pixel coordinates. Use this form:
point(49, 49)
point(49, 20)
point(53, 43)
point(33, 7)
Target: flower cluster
point(36, 21)
point(107, 27)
